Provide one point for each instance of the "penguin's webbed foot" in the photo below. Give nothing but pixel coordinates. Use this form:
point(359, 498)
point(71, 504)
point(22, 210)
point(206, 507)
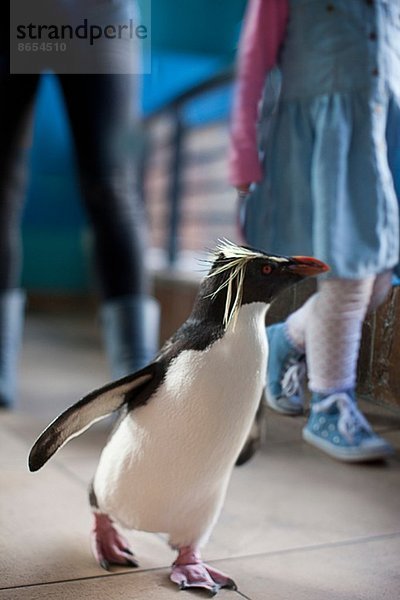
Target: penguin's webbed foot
point(109, 547)
point(189, 571)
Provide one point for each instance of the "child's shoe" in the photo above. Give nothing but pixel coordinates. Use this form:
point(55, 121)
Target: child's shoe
point(285, 373)
point(337, 427)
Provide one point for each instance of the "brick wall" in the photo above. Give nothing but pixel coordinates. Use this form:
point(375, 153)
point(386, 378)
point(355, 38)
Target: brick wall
point(208, 203)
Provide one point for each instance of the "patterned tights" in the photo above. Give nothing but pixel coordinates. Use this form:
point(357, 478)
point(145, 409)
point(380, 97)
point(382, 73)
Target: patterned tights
point(329, 326)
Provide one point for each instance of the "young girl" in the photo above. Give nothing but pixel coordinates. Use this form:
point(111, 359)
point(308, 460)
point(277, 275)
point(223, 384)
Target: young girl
point(327, 187)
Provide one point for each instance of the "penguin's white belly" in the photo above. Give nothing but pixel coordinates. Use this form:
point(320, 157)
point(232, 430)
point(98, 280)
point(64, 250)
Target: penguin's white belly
point(167, 466)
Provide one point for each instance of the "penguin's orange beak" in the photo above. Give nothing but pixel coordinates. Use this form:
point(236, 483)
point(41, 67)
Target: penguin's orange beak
point(307, 266)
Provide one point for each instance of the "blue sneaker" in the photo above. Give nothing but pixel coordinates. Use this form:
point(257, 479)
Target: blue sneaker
point(337, 427)
point(286, 369)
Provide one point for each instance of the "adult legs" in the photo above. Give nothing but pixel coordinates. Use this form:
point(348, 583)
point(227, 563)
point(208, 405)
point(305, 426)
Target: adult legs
point(16, 97)
point(101, 110)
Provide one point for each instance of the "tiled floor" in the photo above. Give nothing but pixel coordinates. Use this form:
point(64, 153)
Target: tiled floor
point(296, 524)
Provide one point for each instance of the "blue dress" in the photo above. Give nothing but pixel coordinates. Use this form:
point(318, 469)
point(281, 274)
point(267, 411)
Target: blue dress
point(332, 152)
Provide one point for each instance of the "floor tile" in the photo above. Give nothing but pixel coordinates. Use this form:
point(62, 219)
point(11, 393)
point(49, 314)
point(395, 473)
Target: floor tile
point(62, 360)
point(149, 585)
point(292, 495)
point(288, 499)
point(360, 571)
point(355, 571)
point(45, 524)
point(45, 532)
point(289, 495)
point(12, 452)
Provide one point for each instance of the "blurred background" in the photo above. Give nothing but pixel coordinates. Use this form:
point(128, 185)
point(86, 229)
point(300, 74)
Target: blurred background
point(184, 105)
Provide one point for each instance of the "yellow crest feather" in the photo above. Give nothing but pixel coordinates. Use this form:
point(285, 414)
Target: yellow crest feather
point(237, 259)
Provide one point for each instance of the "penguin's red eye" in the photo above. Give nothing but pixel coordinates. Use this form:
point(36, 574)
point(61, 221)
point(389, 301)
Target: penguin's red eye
point(266, 270)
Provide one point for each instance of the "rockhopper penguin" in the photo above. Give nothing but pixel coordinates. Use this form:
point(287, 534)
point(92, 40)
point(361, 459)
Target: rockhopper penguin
point(183, 418)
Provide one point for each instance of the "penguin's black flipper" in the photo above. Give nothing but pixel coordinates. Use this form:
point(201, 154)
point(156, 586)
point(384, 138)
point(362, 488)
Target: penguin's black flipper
point(133, 390)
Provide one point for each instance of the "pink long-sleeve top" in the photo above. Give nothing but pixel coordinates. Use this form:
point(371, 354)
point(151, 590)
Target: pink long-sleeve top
point(262, 34)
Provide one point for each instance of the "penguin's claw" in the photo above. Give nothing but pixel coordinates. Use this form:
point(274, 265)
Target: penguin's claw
point(189, 571)
point(104, 564)
point(109, 546)
point(202, 576)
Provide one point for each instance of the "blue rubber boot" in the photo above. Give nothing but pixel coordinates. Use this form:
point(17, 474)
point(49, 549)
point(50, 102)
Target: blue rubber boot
point(130, 331)
point(336, 426)
point(12, 306)
point(286, 370)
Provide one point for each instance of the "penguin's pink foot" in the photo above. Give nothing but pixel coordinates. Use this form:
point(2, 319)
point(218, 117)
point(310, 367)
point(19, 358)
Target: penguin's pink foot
point(190, 571)
point(108, 545)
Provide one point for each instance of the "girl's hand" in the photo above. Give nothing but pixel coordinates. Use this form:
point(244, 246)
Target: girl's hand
point(243, 188)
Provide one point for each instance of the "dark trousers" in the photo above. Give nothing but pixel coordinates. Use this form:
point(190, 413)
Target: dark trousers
point(101, 115)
